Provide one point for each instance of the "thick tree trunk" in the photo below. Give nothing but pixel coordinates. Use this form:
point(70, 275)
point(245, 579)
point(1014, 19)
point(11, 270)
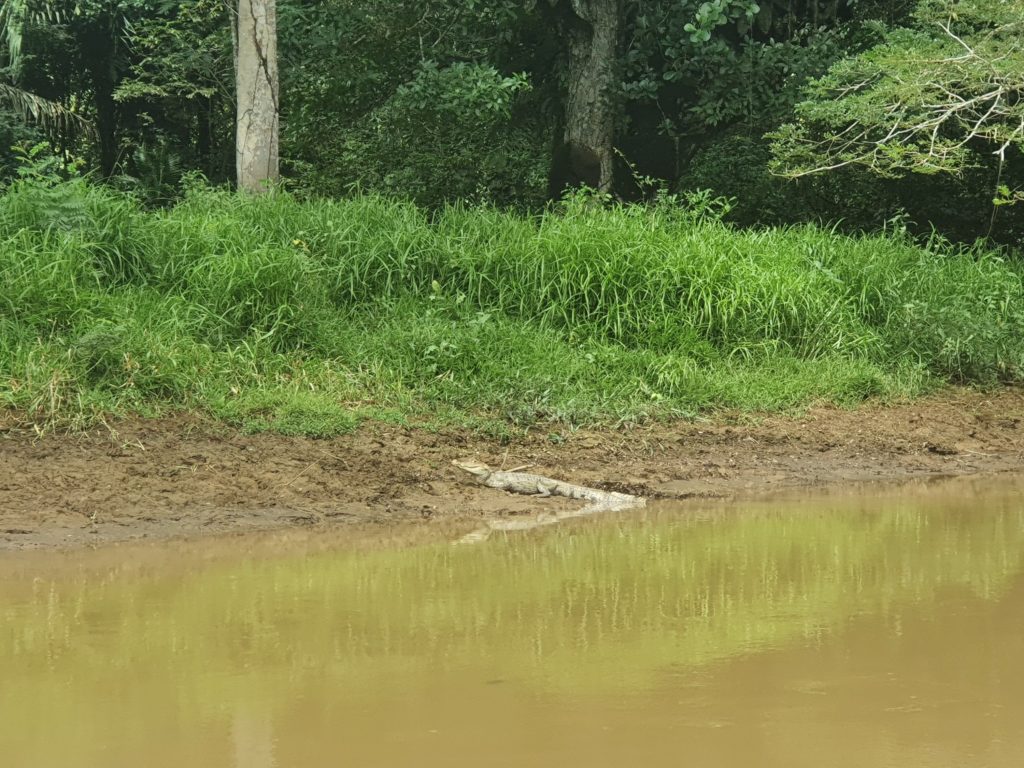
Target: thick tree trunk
point(591, 109)
point(257, 84)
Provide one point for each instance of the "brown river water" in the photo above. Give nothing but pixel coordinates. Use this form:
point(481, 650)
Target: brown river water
point(870, 630)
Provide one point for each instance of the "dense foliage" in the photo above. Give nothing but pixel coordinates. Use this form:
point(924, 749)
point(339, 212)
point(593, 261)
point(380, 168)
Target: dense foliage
point(942, 96)
point(926, 100)
point(444, 101)
point(424, 256)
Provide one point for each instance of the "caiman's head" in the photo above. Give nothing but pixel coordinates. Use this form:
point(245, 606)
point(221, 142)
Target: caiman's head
point(474, 467)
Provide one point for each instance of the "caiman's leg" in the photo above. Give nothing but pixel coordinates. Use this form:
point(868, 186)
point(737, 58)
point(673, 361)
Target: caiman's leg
point(543, 489)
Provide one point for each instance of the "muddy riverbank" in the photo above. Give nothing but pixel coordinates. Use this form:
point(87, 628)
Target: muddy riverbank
point(184, 477)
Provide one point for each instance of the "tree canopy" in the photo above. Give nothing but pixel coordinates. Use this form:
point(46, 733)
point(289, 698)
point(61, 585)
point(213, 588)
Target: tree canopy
point(510, 101)
point(929, 98)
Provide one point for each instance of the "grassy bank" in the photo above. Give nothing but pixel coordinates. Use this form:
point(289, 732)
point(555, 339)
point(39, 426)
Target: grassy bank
point(307, 316)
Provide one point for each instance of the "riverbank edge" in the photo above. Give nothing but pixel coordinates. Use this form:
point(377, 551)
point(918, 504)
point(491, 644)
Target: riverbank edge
point(184, 477)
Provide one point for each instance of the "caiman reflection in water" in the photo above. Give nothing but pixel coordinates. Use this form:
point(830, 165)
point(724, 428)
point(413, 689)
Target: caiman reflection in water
point(882, 632)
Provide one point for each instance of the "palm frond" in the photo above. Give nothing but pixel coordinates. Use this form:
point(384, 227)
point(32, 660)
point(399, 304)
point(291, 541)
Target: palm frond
point(15, 15)
point(49, 114)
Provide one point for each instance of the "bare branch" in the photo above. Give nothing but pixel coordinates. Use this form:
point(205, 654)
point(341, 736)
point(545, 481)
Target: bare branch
point(924, 113)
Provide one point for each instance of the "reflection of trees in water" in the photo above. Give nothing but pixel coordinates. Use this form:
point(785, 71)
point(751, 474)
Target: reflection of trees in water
point(604, 606)
point(252, 734)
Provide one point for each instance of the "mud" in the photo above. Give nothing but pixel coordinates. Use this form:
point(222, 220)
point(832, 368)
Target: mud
point(184, 477)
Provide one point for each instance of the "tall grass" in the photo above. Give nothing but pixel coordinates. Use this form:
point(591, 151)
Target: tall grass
point(305, 315)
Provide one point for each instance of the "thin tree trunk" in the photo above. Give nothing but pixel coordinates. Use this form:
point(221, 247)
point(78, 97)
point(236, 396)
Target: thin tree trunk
point(258, 118)
point(591, 109)
point(106, 122)
point(204, 135)
point(100, 41)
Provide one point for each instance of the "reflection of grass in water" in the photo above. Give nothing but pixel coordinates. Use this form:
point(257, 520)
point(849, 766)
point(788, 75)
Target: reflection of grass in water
point(599, 608)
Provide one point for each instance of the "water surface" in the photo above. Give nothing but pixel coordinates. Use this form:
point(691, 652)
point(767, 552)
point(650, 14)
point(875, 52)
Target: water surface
point(867, 630)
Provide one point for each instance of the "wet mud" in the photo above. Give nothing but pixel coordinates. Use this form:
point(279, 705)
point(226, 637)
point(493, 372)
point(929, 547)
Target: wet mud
point(186, 478)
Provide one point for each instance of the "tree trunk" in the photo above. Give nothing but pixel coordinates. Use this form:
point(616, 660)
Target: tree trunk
point(99, 40)
point(106, 120)
point(256, 79)
point(591, 109)
point(204, 137)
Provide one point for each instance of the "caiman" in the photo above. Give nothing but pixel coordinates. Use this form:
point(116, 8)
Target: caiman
point(528, 483)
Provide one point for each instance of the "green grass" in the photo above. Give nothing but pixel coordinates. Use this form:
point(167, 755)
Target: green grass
point(307, 316)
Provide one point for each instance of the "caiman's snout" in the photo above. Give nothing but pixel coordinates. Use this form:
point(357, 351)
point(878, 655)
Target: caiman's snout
point(474, 467)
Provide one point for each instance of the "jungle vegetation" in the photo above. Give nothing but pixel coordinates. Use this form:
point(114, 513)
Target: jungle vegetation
point(514, 211)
